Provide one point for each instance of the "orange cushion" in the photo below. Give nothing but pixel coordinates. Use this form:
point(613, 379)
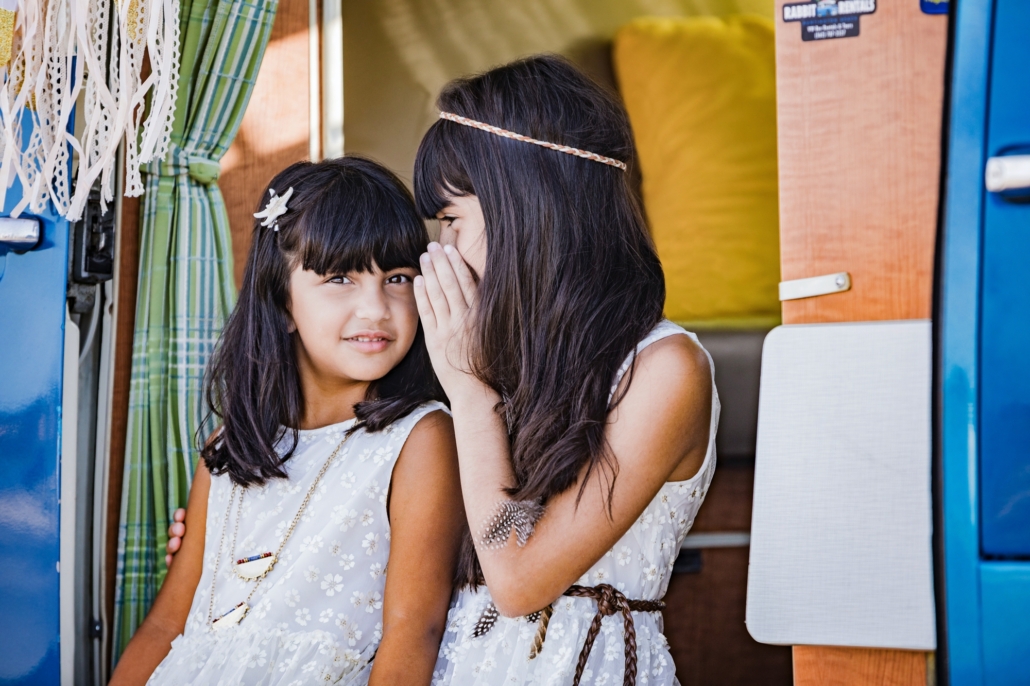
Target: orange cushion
point(701, 96)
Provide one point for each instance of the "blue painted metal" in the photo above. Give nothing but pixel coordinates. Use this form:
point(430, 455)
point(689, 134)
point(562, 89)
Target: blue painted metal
point(32, 313)
point(1006, 605)
point(1005, 330)
point(986, 603)
point(958, 351)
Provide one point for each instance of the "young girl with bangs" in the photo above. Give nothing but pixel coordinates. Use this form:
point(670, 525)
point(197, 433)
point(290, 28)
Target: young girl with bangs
point(334, 461)
point(585, 422)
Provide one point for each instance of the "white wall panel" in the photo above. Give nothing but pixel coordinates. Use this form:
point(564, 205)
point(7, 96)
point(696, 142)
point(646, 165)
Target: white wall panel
point(840, 534)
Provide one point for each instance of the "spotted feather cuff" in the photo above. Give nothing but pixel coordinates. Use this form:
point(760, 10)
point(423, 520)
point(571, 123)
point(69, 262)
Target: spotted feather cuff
point(521, 515)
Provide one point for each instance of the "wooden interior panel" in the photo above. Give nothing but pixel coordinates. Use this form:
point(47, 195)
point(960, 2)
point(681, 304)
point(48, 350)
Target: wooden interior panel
point(859, 124)
point(832, 666)
point(727, 506)
point(704, 623)
point(859, 127)
point(128, 280)
point(704, 616)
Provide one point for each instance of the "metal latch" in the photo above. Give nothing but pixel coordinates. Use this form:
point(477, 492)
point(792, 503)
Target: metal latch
point(1007, 173)
point(94, 243)
point(19, 234)
point(91, 256)
point(815, 285)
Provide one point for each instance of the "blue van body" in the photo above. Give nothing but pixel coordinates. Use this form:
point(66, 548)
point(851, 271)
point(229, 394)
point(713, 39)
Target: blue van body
point(33, 291)
point(983, 351)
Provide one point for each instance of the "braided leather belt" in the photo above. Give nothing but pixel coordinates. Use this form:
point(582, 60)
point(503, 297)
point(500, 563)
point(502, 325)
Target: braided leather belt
point(609, 601)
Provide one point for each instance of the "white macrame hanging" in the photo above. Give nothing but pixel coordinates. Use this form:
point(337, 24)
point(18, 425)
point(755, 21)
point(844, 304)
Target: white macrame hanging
point(57, 49)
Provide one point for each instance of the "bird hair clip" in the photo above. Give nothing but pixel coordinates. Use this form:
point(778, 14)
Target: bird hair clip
point(275, 208)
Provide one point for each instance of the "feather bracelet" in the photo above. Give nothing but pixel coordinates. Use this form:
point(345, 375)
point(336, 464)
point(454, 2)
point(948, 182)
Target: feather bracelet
point(521, 515)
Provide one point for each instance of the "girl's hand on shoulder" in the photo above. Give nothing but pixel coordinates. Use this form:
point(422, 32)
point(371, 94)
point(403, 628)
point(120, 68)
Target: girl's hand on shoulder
point(176, 532)
point(177, 529)
point(445, 294)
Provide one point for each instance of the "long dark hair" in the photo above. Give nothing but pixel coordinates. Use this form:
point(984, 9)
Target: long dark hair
point(345, 215)
point(572, 280)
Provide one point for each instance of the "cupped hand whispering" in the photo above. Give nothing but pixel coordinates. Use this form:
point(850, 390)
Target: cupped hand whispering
point(445, 293)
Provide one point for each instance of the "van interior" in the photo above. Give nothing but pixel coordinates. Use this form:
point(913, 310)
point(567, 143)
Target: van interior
point(698, 80)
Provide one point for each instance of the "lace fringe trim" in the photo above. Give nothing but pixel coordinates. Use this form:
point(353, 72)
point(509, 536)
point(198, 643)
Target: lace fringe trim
point(60, 48)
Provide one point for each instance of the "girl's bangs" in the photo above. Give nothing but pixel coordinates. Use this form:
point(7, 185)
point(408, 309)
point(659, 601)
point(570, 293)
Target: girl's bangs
point(354, 227)
point(439, 174)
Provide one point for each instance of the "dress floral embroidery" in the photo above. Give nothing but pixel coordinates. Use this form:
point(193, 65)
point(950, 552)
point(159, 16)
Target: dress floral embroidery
point(638, 565)
point(318, 617)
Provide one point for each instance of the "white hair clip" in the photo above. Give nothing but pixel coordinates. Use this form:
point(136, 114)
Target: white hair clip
point(275, 208)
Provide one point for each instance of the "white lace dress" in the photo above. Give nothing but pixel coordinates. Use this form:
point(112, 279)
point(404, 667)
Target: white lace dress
point(639, 566)
point(317, 616)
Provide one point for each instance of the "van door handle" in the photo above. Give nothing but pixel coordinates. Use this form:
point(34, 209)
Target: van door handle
point(19, 234)
point(1007, 173)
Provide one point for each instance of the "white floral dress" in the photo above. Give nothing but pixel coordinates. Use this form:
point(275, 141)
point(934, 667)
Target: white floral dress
point(317, 616)
point(639, 566)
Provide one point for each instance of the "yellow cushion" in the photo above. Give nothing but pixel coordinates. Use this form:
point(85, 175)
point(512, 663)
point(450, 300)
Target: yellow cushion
point(701, 96)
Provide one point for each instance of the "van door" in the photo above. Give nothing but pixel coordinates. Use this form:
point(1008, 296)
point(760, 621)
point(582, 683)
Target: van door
point(33, 276)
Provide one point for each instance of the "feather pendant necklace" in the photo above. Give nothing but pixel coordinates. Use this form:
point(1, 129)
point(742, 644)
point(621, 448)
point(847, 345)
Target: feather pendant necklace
point(232, 617)
point(255, 567)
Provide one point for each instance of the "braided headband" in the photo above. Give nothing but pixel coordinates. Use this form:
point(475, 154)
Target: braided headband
point(464, 121)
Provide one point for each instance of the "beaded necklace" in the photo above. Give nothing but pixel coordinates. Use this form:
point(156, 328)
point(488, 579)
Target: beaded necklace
point(257, 567)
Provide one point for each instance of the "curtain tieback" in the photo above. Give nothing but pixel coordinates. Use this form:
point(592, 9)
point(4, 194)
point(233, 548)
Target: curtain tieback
point(203, 170)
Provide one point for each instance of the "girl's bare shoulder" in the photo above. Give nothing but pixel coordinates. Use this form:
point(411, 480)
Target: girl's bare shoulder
point(674, 362)
point(434, 425)
point(667, 407)
point(431, 438)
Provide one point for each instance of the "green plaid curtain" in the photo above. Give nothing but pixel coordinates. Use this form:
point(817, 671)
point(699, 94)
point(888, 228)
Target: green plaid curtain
point(185, 291)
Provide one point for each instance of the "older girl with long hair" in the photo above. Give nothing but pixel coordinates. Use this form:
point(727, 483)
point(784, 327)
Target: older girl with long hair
point(585, 422)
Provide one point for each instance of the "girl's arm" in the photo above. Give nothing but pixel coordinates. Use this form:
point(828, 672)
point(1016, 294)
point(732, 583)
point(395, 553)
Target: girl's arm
point(658, 432)
point(426, 521)
point(167, 617)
